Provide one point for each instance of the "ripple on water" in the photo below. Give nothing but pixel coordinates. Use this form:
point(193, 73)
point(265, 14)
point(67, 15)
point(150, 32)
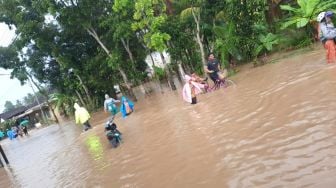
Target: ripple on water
point(275, 129)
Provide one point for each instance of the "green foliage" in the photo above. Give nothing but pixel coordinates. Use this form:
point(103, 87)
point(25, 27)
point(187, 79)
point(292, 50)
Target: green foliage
point(227, 43)
point(159, 73)
point(306, 11)
point(150, 24)
point(188, 12)
point(243, 15)
point(18, 103)
point(266, 42)
point(121, 5)
point(98, 39)
point(8, 124)
point(63, 103)
point(8, 106)
point(158, 41)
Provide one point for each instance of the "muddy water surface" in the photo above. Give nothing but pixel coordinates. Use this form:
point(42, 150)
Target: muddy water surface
point(276, 128)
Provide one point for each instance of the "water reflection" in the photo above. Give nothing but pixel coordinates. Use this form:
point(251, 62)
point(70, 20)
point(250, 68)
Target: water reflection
point(95, 147)
point(96, 150)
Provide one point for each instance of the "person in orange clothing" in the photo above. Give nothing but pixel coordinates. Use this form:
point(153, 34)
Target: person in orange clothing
point(327, 34)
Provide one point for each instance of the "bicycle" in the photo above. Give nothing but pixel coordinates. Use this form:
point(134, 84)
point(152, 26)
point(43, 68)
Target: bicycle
point(219, 84)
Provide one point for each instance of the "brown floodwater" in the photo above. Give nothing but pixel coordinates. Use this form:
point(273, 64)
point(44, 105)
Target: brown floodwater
point(276, 128)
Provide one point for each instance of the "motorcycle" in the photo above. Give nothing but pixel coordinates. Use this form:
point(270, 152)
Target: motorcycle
point(113, 134)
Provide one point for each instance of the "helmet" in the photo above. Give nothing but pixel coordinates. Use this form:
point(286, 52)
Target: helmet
point(329, 13)
point(321, 16)
point(109, 122)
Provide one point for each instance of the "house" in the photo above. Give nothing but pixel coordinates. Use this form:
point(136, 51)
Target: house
point(155, 59)
point(32, 112)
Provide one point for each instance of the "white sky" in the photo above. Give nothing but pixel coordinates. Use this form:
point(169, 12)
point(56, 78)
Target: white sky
point(11, 89)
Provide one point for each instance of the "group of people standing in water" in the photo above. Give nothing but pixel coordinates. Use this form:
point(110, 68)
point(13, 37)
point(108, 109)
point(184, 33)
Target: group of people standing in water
point(82, 116)
point(195, 84)
point(14, 132)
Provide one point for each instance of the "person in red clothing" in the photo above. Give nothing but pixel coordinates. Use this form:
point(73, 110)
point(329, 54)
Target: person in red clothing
point(327, 34)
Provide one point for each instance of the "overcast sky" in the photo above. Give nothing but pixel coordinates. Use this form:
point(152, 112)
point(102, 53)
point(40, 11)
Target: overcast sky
point(11, 89)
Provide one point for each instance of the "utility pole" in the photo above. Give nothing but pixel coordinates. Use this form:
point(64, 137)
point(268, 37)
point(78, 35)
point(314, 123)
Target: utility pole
point(38, 102)
point(3, 156)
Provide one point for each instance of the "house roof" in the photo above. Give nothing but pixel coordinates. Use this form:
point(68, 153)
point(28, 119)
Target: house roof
point(17, 111)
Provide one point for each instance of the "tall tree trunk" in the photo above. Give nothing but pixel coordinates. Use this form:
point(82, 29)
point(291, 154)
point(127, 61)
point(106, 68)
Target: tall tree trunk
point(127, 48)
point(93, 33)
point(130, 55)
point(181, 70)
point(169, 74)
point(129, 52)
point(273, 12)
point(188, 55)
point(88, 96)
point(149, 51)
point(169, 5)
point(199, 38)
point(185, 66)
point(80, 98)
point(150, 55)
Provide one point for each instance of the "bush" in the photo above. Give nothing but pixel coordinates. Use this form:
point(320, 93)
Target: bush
point(293, 39)
point(7, 125)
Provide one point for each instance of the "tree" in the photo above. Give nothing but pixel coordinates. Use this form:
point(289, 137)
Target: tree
point(18, 104)
point(306, 12)
point(29, 99)
point(195, 12)
point(63, 103)
point(47, 51)
point(149, 17)
point(105, 42)
point(87, 15)
point(8, 106)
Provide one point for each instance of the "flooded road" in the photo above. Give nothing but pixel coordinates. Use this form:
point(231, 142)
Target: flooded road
point(276, 128)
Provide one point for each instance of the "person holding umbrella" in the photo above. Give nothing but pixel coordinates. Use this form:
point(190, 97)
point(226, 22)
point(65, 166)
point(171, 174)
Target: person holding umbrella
point(24, 125)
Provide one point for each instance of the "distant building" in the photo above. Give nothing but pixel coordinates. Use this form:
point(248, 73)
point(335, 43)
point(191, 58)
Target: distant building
point(31, 112)
point(157, 60)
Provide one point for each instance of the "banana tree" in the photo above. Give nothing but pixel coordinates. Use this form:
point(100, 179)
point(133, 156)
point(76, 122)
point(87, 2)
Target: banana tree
point(266, 42)
point(63, 103)
point(227, 43)
point(306, 12)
